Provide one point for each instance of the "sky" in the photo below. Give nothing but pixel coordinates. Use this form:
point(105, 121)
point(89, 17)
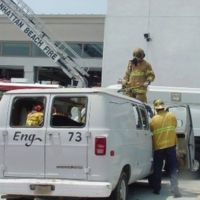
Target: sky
point(67, 6)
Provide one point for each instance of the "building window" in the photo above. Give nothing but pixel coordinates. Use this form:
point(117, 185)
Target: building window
point(87, 50)
point(56, 76)
point(8, 73)
point(94, 80)
point(77, 47)
point(36, 51)
point(84, 50)
point(16, 48)
point(94, 50)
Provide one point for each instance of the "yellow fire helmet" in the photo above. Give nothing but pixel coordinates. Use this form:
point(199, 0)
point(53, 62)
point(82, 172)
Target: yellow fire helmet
point(159, 104)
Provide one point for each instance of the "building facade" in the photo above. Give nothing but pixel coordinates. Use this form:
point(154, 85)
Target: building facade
point(21, 58)
point(168, 31)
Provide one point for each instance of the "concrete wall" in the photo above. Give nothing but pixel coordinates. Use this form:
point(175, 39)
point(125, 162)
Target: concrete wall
point(174, 51)
point(81, 28)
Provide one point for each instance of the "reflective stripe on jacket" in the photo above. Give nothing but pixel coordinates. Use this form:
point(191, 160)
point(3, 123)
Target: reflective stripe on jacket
point(163, 125)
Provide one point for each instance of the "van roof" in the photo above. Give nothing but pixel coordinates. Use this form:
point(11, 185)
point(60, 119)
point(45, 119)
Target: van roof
point(72, 91)
point(173, 89)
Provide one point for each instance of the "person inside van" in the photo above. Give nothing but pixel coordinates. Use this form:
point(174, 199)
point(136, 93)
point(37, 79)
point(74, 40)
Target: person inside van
point(63, 119)
point(35, 117)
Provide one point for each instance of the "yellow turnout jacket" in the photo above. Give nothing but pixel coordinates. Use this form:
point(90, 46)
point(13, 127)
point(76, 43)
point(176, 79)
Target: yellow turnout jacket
point(163, 126)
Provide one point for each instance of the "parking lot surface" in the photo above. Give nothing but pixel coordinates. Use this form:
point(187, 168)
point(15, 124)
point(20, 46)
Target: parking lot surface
point(189, 185)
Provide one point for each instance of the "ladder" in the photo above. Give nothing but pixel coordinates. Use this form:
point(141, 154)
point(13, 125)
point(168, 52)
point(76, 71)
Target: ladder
point(21, 15)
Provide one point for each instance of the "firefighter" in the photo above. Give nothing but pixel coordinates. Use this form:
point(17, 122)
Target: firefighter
point(163, 126)
point(138, 76)
point(35, 117)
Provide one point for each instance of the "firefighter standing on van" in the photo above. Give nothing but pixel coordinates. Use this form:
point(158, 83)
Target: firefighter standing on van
point(35, 117)
point(163, 126)
point(138, 76)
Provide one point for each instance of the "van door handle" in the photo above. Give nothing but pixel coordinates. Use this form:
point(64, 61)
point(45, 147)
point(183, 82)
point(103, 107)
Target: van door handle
point(54, 138)
point(4, 133)
point(54, 134)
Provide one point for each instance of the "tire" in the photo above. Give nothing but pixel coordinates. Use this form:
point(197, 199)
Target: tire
point(121, 190)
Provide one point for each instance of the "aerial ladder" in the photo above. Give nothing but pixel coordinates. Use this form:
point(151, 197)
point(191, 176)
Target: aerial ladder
point(20, 14)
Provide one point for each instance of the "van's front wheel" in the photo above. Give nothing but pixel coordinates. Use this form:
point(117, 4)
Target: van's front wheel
point(121, 190)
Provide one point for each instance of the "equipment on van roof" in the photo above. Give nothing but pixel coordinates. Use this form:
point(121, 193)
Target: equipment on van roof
point(24, 18)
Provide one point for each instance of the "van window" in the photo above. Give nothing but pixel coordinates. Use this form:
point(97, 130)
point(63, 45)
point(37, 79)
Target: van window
point(144, 117)
point(27, 111)
point(137, 117)
point(69, 111)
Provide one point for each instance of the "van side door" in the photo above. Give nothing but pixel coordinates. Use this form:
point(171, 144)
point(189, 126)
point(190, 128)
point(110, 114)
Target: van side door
point(24, 142)
point(185, 135)
point(67, 138)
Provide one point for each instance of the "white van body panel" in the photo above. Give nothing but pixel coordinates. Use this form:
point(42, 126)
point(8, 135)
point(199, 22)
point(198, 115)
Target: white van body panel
point(4, 105)
point(118, 122)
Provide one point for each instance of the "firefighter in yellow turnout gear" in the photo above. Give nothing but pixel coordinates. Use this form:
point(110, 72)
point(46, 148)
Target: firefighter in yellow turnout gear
point(35, 117)
point(138, 76)
point(163, 126)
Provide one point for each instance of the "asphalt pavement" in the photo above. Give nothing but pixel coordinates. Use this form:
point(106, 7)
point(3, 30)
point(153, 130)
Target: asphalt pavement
point(189, 185)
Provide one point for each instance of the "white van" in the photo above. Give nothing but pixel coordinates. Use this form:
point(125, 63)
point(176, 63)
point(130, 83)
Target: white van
point(91, 143)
